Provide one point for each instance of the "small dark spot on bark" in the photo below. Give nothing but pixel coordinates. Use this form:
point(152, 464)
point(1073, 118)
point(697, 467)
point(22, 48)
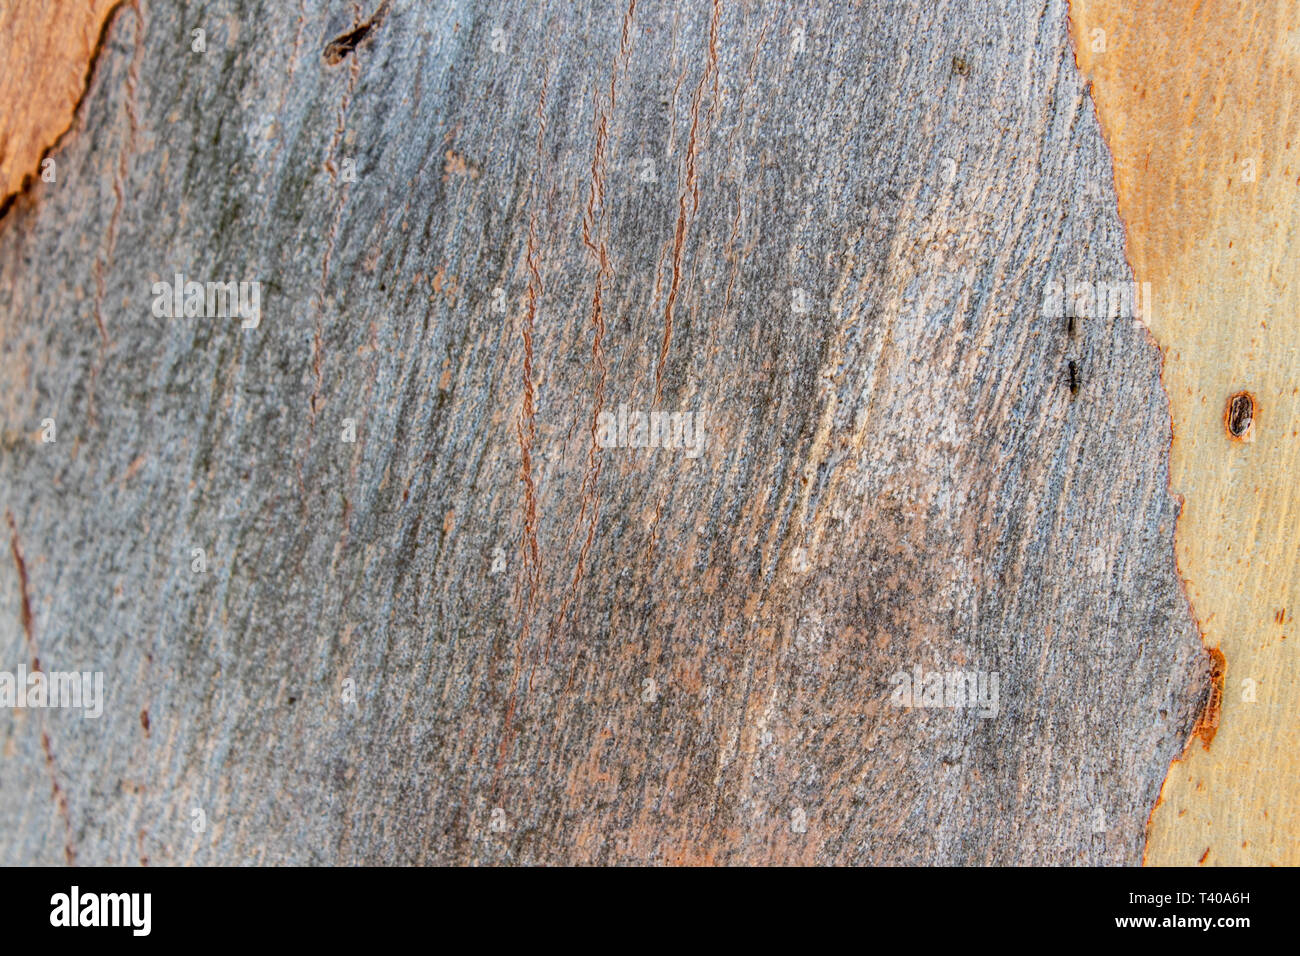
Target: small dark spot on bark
point(144, 721)
point(1075, 380)
point(293, 700)
point(960, 67)
point(337, 50)
point(1239, 416)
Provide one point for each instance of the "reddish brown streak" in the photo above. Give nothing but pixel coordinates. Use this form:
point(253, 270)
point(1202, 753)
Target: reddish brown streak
point(60, 798)
point(690, 187)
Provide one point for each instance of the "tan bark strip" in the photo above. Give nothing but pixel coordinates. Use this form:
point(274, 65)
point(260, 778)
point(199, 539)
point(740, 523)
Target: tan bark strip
point(1199, 105)
point(48, 50)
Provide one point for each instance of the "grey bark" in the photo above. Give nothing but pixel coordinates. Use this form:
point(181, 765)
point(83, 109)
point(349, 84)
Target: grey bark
point(897, 475)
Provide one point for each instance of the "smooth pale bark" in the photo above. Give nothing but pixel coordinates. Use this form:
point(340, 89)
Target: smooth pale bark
point(49, 49)
point(1200, 111)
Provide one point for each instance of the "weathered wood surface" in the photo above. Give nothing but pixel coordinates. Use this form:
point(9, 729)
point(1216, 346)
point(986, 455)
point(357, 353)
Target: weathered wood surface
point(1199, 106)
point(897, 470)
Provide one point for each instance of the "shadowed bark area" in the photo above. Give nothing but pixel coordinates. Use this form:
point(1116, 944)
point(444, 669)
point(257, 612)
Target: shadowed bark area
point(479, 229)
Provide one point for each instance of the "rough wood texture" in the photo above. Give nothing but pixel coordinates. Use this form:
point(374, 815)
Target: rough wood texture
point(837, 252)
point(1199, 106)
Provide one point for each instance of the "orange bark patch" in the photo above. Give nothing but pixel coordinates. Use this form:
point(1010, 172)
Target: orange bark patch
point(47, 50)
point(1198, 104)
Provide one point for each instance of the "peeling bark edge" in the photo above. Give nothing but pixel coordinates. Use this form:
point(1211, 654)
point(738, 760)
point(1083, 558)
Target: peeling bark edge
point(1212, 674)
point(25, 185)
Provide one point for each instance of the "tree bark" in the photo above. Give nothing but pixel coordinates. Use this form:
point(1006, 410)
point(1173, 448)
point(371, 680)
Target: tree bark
point(826, 230)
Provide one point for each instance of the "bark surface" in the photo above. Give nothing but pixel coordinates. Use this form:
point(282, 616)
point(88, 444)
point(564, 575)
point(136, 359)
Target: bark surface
point(478, 227)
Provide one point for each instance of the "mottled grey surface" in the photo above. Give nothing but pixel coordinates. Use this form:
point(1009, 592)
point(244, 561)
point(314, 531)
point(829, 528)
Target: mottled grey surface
point(897, 473)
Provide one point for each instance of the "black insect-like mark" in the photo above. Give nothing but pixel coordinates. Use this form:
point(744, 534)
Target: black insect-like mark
point(1071, 325)
point(1075, 379)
